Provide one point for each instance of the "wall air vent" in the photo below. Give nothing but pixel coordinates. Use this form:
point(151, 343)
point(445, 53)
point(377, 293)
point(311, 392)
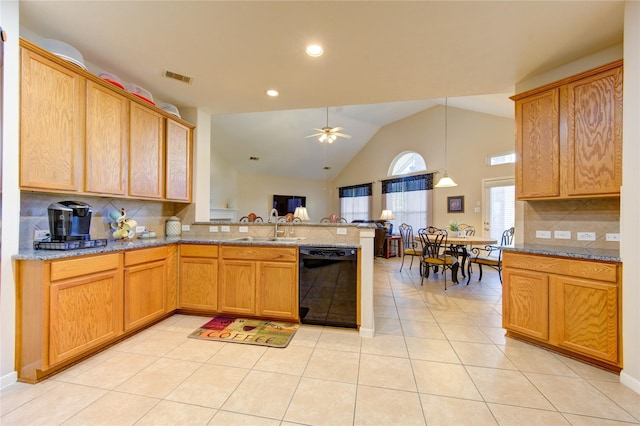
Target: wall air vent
point(179, 77)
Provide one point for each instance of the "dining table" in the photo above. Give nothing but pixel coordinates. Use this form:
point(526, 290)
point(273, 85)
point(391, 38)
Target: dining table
point(459, 246)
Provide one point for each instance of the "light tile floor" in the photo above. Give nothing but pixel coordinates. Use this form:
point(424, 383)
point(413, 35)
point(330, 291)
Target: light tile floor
point(439, 358)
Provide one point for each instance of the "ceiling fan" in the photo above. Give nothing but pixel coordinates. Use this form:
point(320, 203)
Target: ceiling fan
point(328, 134)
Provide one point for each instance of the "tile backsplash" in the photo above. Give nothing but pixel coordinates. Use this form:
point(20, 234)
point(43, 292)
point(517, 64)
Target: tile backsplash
point(597, 215)
point(151, 214)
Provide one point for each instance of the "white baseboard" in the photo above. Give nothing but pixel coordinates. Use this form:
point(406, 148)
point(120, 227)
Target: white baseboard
point(8, 379)
point(630, 382)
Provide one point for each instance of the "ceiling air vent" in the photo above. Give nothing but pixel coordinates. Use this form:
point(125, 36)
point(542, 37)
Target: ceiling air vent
point(179, 77)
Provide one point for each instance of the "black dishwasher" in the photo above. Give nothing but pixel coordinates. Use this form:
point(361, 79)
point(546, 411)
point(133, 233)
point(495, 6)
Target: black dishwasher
point(328, 286)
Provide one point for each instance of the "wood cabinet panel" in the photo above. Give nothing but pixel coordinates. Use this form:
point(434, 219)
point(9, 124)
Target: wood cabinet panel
point(538, 145)
point(555, 265)
point(199, 250)
point(594, 141)
point(69, 268)
point(107, 126)
point(84, 313)
point(276, 296)
point(284, 254)
point(237, 287)
point(588, 317)
point(198, 283)
point(146, 152)
point(569, 137)
point(526, 303)
point(178, 169)
point(51, 125)
point(144, 293)
point(578, 299)
point(135, 257)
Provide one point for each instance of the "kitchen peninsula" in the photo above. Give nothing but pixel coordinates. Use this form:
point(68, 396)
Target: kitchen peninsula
point(72, 304)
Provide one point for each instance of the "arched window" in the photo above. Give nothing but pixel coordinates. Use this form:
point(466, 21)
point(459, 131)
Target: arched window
point(407, 162)
point(408, 194)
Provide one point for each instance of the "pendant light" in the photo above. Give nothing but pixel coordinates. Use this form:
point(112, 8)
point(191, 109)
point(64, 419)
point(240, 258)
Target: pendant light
point(446, 181)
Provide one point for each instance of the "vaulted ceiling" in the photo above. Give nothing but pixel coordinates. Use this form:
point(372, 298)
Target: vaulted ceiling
point(380, 54)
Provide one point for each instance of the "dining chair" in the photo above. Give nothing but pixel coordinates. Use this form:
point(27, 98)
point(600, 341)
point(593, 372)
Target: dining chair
point(434, 243)
point(325, 220)
point(409, 244)
point(490, 255)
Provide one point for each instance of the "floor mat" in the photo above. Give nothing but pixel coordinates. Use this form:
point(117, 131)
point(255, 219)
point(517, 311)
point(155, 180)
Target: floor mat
point(248, 331)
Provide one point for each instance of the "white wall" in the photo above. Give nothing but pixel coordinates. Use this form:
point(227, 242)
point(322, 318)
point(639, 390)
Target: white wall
point(9, 16)
point(255, 194)
point(224, 182)
point(630, 204)
point(471, 137)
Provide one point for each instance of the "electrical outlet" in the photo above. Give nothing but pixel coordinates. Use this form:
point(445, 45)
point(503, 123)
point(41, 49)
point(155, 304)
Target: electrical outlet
point(243, 229)
point(213, 229)
point(543, 234)
point(186, 227)
point(40, 234)
point(612, 236)
point(476, 209)
point(341, 231)
point(225, 228)
point(562, 235)
point(586, 236)
point(140, 229)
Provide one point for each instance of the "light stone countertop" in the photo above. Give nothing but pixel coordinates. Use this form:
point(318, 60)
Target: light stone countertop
point(114, 246)
point(585, 253)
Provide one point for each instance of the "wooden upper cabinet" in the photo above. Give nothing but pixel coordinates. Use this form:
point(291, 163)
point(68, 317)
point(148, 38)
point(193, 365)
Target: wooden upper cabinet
point(569, 137)
point(146, 152)
point(51, 125)
point(594, 134)
point(178, 165)
point(538, 145)
point(106, 141)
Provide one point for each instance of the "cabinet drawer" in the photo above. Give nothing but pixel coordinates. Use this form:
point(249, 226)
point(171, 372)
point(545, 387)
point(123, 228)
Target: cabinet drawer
point(63, 269)
point(198, 251)
point(282, 254)
point(145, 255)
point(576, 268)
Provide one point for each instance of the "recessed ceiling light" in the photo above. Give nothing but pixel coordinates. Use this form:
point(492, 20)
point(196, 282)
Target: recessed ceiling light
point(314, 50)
point(272, 92)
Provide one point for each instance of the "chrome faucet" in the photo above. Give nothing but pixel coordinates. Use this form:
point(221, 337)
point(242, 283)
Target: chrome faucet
point(274, 216)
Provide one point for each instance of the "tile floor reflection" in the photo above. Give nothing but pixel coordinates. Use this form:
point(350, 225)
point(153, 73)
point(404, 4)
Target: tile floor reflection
point(439, 358)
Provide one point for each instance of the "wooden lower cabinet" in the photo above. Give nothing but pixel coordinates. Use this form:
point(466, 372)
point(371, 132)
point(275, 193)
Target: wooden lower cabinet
point(276, 297)
point(198, 286)
point(65, 308)
point(259, 281)
point(570, 305)
point(526, 309)
point(145, 281)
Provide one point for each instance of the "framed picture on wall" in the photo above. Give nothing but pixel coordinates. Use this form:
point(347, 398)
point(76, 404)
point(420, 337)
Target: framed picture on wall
point(455, 204)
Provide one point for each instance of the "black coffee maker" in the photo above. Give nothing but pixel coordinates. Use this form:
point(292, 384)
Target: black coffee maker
point(69, 221)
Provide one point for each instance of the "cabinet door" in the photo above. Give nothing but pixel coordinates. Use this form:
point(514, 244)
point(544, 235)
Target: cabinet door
point(594, 135)
point(144, 293)
point(277, 290)
point(198, 283)
point(178, 171)
point(538, 146)
point(237, 287)
point(51, 125)
point(146, 152)
point(587, 317)
point(106, 140)
point(525, 303)
point(84, 312)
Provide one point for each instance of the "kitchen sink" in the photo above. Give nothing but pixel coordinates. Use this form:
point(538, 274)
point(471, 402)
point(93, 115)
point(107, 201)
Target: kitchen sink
point(269, 239)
